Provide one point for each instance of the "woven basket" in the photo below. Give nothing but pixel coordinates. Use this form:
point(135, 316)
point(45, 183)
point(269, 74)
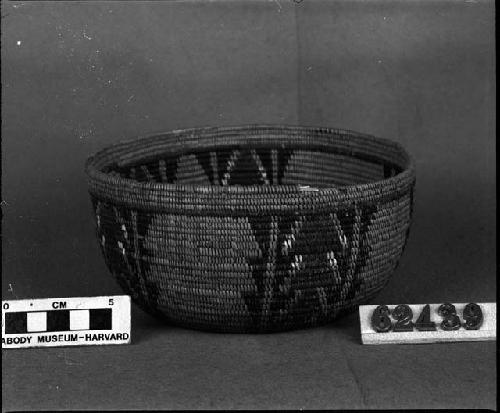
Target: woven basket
point(254, 228)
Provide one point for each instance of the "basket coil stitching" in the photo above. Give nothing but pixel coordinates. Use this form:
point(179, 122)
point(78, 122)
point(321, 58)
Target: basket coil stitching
point(239, 229)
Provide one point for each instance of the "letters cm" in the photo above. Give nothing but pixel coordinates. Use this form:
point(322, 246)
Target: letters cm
point(59, 304)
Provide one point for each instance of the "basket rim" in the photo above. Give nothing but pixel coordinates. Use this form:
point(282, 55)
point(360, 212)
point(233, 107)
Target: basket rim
point(214, 199)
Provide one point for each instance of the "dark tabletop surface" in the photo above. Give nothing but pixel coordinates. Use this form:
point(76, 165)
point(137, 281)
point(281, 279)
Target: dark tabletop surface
point(78, 76)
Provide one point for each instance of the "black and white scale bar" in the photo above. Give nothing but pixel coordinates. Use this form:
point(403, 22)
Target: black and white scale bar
point(66, 321)
point(58, 320)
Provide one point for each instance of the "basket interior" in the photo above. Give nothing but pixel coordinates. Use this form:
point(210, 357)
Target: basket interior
point(223, 166)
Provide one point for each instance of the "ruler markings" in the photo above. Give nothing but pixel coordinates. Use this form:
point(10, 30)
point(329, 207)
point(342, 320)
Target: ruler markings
point(36, 322)
point(67, 321)
point(58, 320)
point(24, 322)
point(100, 319)
point(79, 320)
point(16, 323)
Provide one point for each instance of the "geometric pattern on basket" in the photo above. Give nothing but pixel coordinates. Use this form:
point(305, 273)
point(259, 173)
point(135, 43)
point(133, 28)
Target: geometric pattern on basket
point(289, 272)
point(285, 272)
point(120, 232)
point(224, 166)
point(258, 166)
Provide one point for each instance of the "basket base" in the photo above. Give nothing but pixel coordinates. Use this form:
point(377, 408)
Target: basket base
point(245, 328)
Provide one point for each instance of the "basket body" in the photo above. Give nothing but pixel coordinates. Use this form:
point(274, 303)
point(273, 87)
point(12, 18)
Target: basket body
point(252, 228)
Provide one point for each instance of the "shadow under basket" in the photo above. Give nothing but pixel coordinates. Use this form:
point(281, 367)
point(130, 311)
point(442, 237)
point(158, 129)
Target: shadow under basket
point(252, 228)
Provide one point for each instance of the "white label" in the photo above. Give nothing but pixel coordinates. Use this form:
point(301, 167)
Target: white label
point(73, 321)
point(487, 330)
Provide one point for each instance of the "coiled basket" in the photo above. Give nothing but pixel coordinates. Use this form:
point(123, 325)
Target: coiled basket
point(252, 228)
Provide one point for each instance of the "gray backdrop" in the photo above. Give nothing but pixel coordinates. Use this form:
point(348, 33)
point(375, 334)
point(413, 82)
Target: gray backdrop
point(79, 76)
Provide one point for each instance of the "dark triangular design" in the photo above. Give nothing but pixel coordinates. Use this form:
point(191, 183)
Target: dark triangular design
point(204, 160)
point(346, 218)
point(246, 171)
point(285, 226)
point(254, 305)
point(364, 248)
point(261, 227)
point(267, 163)
point(283, 158)
point(258, 267)
point(139, 174)
point(391, 170)
point(388, 171)
point(154, 171)
point(171, 165)
point(222, 160)
point(407, 234)
point(122, 171)
point(326, 237)
point(283, 265)
point(109, 229)
point(143, 222)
